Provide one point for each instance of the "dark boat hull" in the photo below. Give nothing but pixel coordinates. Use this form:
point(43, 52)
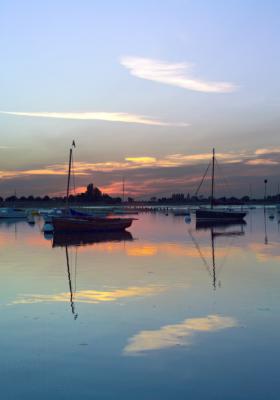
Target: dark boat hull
point(89, 224)
point(219, 215)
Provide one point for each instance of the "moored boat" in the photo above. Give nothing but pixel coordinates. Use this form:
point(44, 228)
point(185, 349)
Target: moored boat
point(181, 212)
point(12, 213)
point(86, 223)
point(90, 224)
point(214, 214)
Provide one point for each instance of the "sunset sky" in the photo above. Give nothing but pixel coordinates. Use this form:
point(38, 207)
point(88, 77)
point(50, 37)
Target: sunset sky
point(146, 89)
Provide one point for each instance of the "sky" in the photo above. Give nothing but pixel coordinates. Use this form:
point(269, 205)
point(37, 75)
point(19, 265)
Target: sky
point(146, 89)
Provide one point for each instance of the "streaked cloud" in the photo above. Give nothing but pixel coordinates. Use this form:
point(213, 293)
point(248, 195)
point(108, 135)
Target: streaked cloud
point(142, 160)
point(262, 161)
point(129, 163)
point(98, 116)
point(92, 296)
point(272, 150)
point(176, 335)
point(146, 175)
point(176, 74)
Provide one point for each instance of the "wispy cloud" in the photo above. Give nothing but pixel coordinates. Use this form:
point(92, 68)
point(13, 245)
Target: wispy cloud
point(176, 74)
point(272, 150)
point(98, 116)
point(129, 163)
point(262, 161)
point(176, 335)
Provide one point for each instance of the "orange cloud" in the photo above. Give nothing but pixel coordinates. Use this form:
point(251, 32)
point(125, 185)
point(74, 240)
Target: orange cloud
point(262, 161)
point(268, 151)
point(129, 163)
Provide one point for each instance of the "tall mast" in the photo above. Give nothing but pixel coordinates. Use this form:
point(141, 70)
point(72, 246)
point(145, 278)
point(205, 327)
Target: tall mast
point(69, 173)
point(123, 190)
point(213, 178)
point(68, 179)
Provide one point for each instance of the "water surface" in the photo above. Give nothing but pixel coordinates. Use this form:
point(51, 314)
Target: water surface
point(170, 311)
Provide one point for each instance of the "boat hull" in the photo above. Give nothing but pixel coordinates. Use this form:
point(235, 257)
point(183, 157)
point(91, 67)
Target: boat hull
point(88, 224)
point(219, 215)
point(12, 213)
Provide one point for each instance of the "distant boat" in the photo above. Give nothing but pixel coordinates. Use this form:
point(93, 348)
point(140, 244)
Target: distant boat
point(215, 214)
point(13, 213)
point(30, 219)
point(181, 211)
point(86, 223)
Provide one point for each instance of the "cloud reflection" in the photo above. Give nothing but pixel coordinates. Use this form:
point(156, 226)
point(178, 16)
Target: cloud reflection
point(176, 335)
point(92, 296)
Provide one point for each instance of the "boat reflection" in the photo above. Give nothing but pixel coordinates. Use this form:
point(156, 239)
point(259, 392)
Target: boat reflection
point(212, 267)
point(88, 238)
point(83, 239)
point(206, 225)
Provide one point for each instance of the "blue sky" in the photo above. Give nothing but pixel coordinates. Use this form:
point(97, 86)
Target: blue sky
point(125, 57)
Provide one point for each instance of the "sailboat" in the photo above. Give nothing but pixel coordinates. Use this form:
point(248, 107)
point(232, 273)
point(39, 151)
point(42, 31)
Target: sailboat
point(215, 214)
point(86, 223)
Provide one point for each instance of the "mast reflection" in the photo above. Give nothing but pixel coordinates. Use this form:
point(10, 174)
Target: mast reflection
point(77, 240)
point(72, 304)
point(212, 226)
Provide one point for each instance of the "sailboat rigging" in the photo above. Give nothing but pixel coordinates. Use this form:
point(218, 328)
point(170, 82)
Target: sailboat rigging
point(215, 214)
point(82, 222)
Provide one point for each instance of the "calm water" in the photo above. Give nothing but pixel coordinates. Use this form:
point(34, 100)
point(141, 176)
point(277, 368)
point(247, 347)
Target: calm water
point(148, 318)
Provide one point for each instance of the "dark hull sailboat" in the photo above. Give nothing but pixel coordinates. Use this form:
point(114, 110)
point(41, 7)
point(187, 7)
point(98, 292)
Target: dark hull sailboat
point(91, 224)
point(83, 223)
point(214, 214)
